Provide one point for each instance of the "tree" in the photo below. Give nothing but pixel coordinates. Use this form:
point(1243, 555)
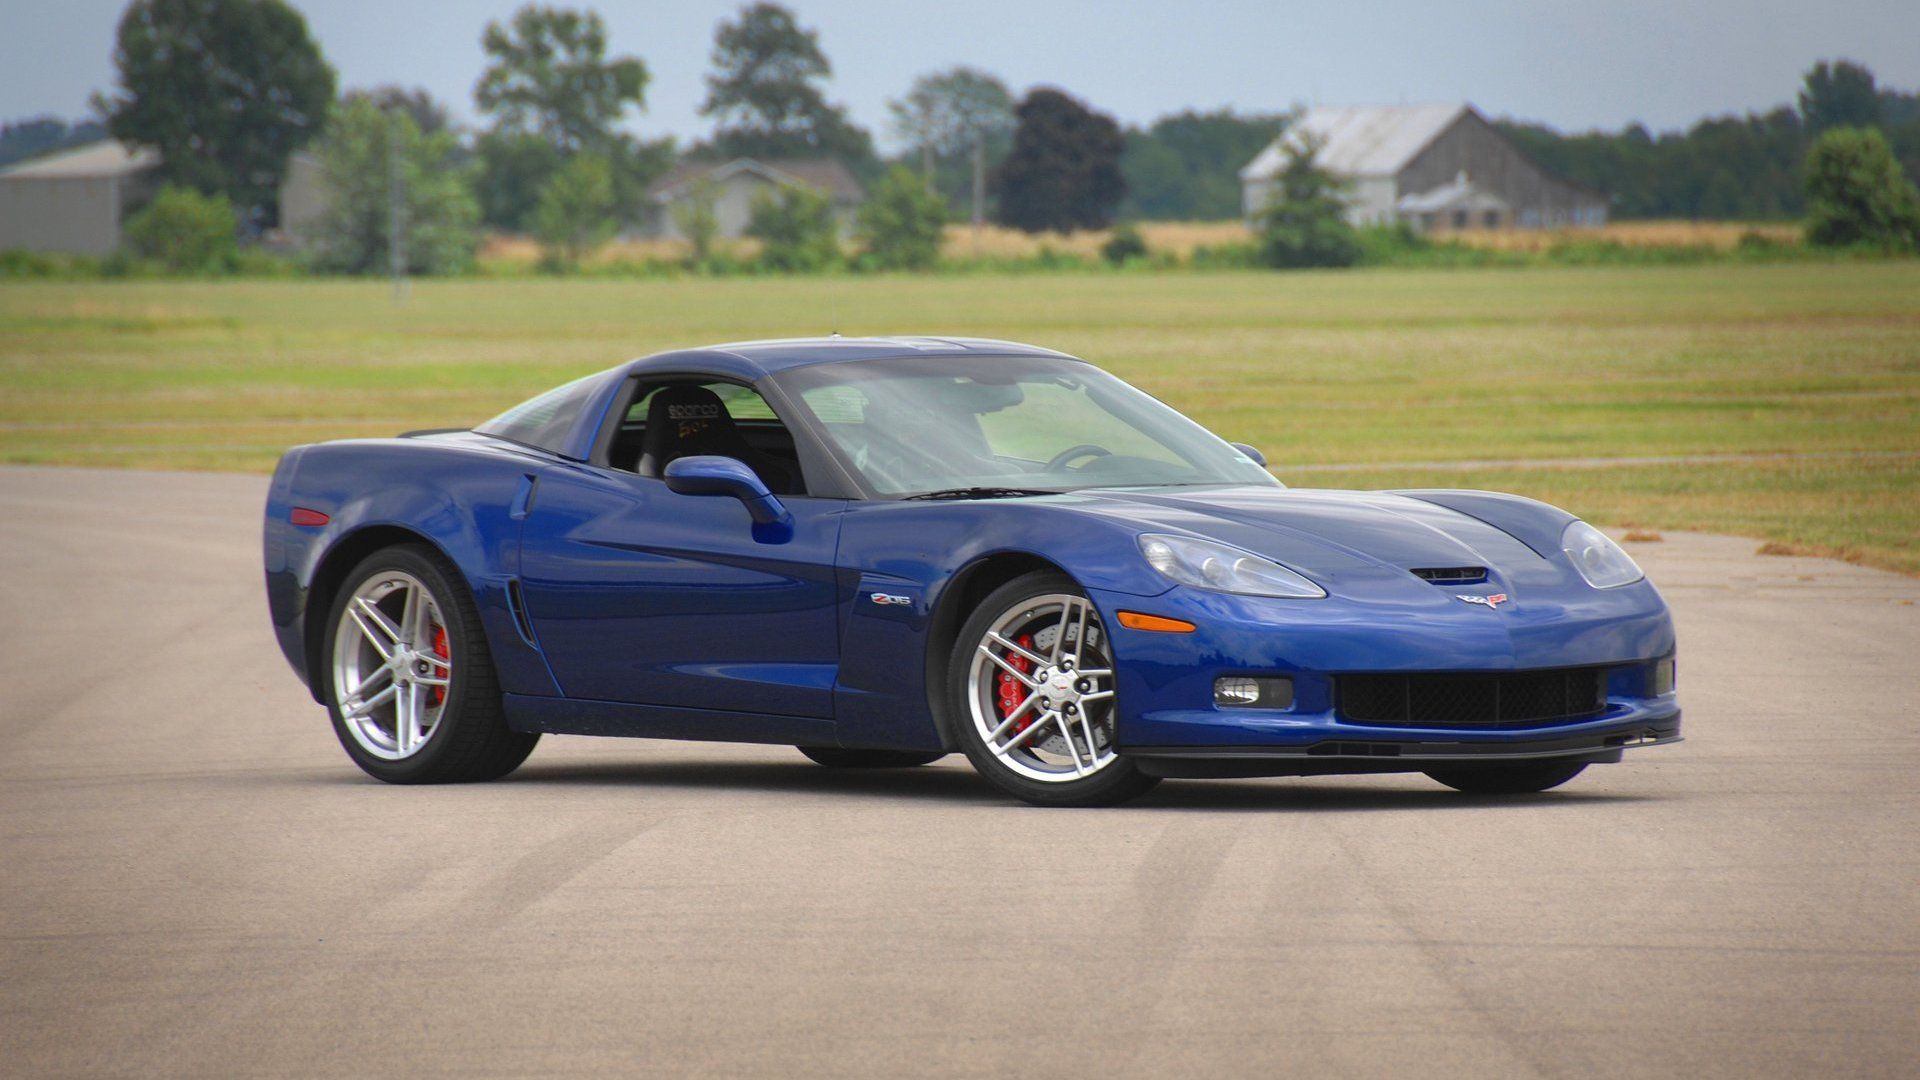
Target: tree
point(902, 222)
point(697, 219)
point(1857, 193)
point(1838, 94)
point(796, 230)
point(437, 209)
point(1064, 170)
point(765, 93)
point(226, 90)
point(1185, 167)
point(548, 73)
point(553, 92)
point(428, 114)
point(184, 230)
point(957, 119)
point(1306, 223)
point(514, 169)
point(575, 215)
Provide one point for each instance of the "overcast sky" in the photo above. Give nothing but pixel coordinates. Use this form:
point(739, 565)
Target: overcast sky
point(1603, 63)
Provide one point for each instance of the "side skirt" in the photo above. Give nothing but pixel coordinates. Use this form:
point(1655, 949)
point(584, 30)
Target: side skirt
point(566, 716)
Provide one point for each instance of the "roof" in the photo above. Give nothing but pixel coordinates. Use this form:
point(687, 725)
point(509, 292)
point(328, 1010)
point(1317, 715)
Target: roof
point(821, 174)
point(96, 160)
point(1458, 193)
point(753, 359)
point(1360, 140)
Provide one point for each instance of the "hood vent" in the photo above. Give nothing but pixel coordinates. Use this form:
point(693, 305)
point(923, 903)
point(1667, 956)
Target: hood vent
point(1451, 575)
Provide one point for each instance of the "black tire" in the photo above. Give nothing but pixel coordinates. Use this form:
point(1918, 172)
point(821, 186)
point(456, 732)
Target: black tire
point(1116, 782)
point(1508, 779)
point(835, 757)
point(471, 741)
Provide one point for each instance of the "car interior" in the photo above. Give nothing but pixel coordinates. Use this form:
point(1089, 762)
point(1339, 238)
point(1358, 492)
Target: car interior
point(672, 420)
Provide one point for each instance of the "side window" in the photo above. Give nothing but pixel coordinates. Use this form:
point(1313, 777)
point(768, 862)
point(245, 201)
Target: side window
point(674, 418)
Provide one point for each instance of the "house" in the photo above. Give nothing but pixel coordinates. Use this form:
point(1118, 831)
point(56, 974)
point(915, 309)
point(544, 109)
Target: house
point(734, 185)
point(1431, 166)
point(76, 200)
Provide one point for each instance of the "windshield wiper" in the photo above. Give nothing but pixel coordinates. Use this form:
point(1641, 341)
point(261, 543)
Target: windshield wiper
point(979, 493)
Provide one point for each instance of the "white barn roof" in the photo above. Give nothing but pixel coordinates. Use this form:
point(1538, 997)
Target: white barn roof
point(1359, 140)
point(97, 160)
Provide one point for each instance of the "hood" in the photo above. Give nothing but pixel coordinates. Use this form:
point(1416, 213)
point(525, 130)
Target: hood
point(1328, 534)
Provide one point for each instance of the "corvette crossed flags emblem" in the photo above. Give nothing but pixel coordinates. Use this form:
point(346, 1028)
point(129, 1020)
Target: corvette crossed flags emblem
point(1493, 601)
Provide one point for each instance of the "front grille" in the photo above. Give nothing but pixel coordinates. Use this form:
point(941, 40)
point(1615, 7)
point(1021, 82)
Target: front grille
point(1512, 699)
point(1451, 575)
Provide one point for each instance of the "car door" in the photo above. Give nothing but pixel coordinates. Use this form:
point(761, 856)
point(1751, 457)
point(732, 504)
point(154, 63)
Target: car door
point(640, 595)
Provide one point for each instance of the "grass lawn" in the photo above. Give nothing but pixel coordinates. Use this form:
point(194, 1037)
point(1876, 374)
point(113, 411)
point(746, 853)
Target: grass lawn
point(1396, 371)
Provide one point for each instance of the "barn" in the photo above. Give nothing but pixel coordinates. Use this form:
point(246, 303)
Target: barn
point(1430, 166)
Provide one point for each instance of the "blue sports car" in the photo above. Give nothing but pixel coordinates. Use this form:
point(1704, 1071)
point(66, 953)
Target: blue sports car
point(885, 550)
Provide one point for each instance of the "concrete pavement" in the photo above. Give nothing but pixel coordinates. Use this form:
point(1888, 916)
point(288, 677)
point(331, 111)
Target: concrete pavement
point(195, 881)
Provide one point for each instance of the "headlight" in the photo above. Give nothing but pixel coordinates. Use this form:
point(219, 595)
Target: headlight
point(1599, 559)
point(1205, 564)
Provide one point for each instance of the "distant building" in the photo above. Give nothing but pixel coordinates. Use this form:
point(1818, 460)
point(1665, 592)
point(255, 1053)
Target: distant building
point(1431, 166)
point(733, 186)
point(77, 200)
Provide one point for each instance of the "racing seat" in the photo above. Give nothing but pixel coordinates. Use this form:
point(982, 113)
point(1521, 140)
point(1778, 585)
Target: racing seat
point(683, 421)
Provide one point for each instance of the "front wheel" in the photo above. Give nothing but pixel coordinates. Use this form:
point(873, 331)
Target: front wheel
point(1507, 779)
point(409, 681)
point(1031, 686)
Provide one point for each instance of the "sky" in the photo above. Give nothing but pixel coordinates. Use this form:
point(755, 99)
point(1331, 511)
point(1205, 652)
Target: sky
point(1598, 64)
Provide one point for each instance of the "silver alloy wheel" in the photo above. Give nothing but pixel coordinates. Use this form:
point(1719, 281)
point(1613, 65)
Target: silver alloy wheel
point(1061, 727)
point(392, 665)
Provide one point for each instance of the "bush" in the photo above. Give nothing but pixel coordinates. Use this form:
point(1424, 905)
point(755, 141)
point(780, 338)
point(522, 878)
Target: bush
point(575, 215)
point(902, 222)
point(1125, 243)
point(1306, 225)
point(796, 231)
point(1858, 195)
point(184, 231)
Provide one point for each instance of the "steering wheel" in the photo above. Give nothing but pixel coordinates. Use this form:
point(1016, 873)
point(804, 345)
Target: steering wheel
point(1073, 453)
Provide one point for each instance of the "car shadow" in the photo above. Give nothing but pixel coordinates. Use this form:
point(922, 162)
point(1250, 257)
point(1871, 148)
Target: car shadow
point(957, 783)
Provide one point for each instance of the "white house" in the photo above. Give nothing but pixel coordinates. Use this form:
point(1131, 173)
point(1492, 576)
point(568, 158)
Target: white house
point(76, 200)
point(734, 185)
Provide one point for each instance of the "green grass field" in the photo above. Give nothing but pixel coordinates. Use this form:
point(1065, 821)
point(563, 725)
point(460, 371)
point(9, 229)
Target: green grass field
point(1386, 375)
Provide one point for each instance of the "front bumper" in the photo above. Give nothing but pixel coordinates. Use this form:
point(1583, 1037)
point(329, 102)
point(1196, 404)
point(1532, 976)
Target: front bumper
point(1402, 750)
point(1166, 680)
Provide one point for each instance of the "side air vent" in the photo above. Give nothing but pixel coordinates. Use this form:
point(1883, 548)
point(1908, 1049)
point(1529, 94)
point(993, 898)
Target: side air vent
point(1452, 575)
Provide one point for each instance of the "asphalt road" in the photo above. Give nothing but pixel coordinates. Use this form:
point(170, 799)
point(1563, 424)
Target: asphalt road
point(193, 879)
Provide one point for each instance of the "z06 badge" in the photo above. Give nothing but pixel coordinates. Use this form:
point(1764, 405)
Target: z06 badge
point(1493, 601)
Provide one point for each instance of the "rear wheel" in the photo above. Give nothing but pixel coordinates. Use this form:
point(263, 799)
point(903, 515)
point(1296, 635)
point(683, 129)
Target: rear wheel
point(409, 681)
point(1031, 688)
point(839, 758)
point(1508, 779)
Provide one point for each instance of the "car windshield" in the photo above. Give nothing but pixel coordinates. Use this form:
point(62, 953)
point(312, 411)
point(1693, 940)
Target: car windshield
point(1006, 425)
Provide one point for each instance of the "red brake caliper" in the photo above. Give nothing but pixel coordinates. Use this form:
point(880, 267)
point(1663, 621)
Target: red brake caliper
point(440, 650)
point(1012, 690)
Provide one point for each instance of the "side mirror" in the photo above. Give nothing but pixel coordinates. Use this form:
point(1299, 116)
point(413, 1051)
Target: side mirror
point(1259, 458)
point(711, 474)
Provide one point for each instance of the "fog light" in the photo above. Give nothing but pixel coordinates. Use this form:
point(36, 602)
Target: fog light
point(1245, 692)
point(1663, 676)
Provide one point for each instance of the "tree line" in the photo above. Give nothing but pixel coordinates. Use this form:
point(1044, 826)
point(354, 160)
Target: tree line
point(1738, 168)
point(227, 90)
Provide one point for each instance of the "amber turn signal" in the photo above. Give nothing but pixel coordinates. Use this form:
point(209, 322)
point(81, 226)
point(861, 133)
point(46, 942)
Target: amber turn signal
point(1133, 620)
